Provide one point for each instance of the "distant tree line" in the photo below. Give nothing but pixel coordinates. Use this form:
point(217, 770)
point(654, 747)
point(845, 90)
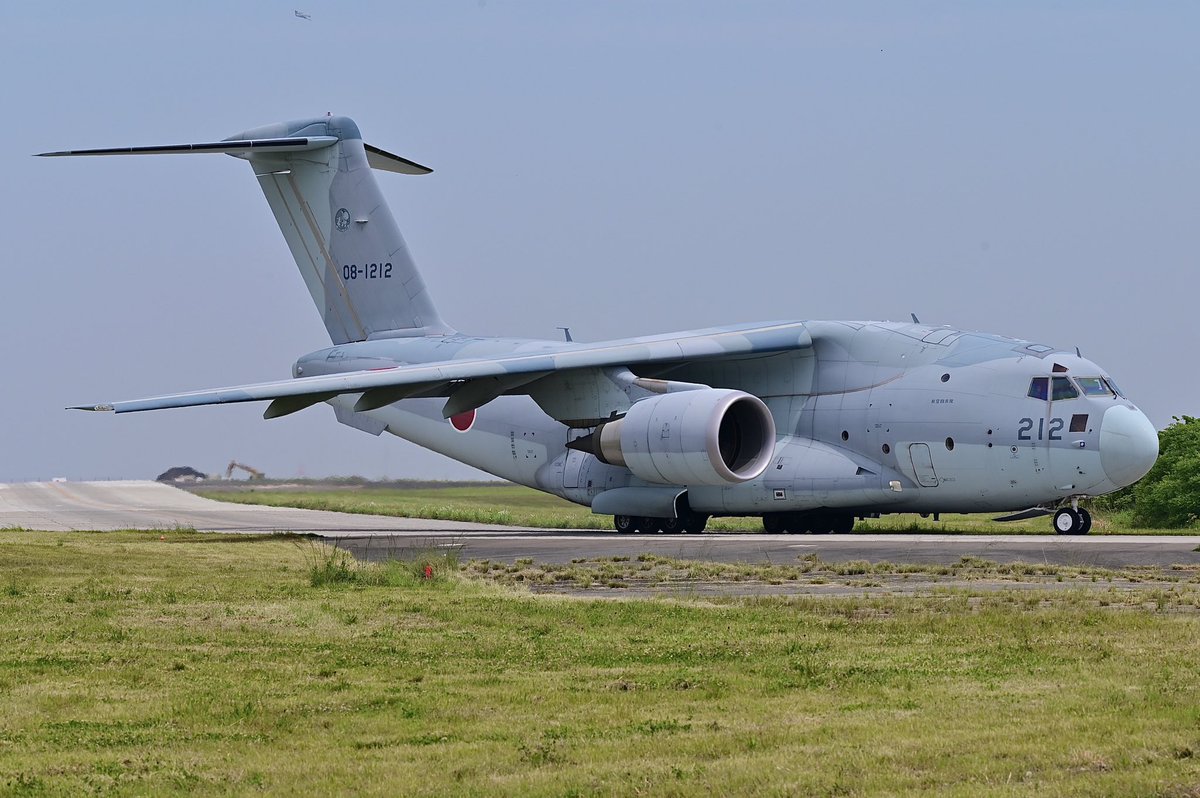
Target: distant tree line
point(1169, 496)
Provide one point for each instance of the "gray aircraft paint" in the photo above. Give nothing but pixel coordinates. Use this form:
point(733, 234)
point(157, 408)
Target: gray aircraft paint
point(870, 416)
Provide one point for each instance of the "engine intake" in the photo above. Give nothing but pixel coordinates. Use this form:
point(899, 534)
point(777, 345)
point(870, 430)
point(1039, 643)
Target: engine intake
point(713, 436)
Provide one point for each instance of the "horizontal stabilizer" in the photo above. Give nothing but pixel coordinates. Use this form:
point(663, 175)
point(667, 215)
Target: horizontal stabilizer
point(237, 146)
point(376, 158)
point(388, 162)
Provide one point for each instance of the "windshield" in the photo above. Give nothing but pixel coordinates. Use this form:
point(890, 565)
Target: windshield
point(1063, 389)
point(1059, 388)
point(1093, 386)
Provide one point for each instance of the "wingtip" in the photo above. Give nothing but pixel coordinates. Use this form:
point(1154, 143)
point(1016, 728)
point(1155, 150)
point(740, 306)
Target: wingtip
point(93, 408)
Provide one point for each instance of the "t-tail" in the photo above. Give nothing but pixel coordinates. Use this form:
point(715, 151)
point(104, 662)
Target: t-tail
point(316, 175)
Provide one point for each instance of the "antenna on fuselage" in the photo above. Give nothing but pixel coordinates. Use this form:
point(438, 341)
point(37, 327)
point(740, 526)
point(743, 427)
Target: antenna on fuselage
point(1077, 352)
point(566, 334)
point(914, 318)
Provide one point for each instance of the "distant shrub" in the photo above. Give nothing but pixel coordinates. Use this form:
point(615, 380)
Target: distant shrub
point(1169, 496)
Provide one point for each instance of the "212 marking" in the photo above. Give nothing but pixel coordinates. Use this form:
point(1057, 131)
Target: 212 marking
point(1054, 432)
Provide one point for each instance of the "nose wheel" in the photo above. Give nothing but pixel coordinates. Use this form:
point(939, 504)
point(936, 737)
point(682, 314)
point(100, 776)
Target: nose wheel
point(1071, 521)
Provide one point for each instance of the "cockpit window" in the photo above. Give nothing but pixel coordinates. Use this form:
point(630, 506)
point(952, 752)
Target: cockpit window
point(1114, 387)
point(1039, 388)
point(1063, 389)
point(1093, 386)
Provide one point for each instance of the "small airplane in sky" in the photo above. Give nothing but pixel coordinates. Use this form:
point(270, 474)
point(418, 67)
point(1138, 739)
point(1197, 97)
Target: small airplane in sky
point(302, 15)
point(808, 424)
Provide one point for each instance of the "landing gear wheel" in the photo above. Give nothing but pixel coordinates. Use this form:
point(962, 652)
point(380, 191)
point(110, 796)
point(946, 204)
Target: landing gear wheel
point(1068, 522)
point(625, 523)
point(672, 526)
point(821, 524)
point(1087, 521)
point(842, 524)
point(774, 523)
point(797, 523)
point(688, 522)
point(649, 526)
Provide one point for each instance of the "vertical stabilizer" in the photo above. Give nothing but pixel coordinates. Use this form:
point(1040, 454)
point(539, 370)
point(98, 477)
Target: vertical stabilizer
point(337, 224)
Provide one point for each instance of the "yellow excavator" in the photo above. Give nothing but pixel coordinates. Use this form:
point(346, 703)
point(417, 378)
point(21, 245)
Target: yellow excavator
point(251, 473)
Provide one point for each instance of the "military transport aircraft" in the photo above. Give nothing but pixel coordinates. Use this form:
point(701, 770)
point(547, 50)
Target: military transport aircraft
point(808, 424)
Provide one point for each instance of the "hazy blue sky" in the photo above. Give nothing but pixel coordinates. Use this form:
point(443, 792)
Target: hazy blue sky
point(1031, 169)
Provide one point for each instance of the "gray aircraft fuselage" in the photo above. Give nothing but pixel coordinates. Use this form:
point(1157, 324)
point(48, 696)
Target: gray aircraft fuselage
point(943, 415)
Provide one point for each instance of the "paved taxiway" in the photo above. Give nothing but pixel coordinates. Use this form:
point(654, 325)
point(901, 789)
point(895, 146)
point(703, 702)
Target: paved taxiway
point(68, 506)
point(1110, 551)
point(65, 506)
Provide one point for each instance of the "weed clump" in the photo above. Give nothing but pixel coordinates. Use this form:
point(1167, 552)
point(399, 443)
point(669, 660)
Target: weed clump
point(329, 566)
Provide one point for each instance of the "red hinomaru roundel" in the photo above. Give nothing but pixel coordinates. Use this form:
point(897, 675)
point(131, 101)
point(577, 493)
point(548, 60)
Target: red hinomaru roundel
point(463, 421)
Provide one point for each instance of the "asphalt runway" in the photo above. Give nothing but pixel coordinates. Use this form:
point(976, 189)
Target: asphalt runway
point(67, 506)
point(1109, 551)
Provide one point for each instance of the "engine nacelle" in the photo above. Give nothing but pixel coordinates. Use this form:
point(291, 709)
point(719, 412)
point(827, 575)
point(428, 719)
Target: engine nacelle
point(712, 436)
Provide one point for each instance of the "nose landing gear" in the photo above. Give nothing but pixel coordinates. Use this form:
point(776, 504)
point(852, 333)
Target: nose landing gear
point(1073, 520)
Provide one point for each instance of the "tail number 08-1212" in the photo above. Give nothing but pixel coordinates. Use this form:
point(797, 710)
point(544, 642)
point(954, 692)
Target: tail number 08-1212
point(367, 271)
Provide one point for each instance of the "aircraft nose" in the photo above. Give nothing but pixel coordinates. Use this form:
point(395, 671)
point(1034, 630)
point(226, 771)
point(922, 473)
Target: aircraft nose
point(1128, 445)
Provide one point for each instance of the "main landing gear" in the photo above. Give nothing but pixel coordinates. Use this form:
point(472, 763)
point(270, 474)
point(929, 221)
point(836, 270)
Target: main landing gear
point(689, 522)
point(1072, 521)
point(820, 522)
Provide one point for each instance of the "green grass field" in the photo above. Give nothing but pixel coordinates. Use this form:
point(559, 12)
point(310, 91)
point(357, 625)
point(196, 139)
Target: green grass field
point(489, 504)
point(217, 664)
point(515, 505)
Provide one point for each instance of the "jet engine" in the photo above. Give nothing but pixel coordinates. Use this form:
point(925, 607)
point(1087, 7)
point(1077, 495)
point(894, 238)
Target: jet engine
point(711, 436)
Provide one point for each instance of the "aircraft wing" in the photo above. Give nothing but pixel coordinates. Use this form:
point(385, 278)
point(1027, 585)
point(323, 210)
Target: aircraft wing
point(384, 386)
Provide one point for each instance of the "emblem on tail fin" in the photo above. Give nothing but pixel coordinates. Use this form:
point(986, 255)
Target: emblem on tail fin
point(342, 220)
